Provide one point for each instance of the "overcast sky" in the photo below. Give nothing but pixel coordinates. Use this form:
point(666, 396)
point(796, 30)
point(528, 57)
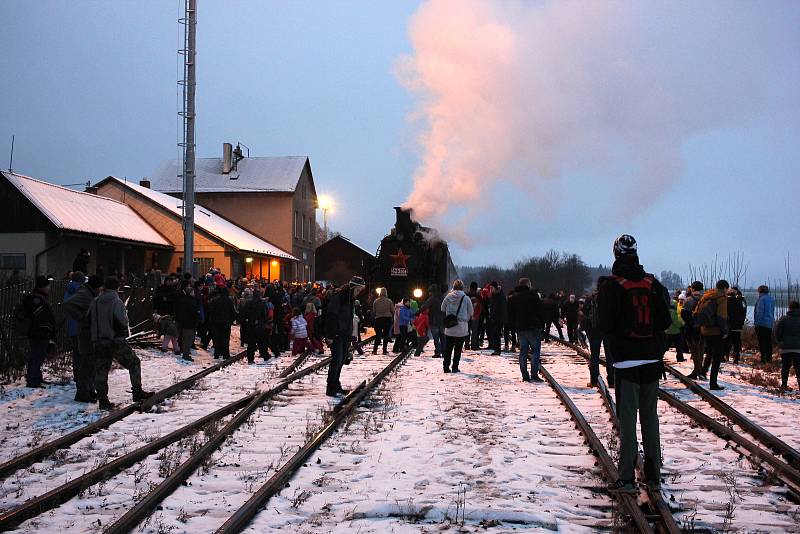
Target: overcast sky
point(525, 126)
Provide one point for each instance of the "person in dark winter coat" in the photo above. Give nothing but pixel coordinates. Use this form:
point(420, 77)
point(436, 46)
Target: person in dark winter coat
point(569, 312)
point(787, 334)
point(108, 321)
point(552, 315)
point(526, 312)
point(338, 329)
point(633, 315)
point(165, 296)
point(81, 262)
point(187, 316)
point(259, 316)
point(435, 319)
point(41, 330)
point(496, 316)
point(595, 335)
point(737, 312)
point(221, 315)
point(692, 337)
point(77, 308)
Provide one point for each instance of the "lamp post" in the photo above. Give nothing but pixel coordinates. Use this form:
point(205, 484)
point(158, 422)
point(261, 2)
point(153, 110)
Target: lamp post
point(326, 205)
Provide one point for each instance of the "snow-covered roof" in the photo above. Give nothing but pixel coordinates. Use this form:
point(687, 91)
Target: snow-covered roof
point(211, 223)
point(276, 174)
point(75, 211)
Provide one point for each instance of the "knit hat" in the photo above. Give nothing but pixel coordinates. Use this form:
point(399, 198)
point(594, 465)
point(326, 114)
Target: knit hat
point(42, 281)
point(357, 281)
point(78, 276)
point(624, 245)
point(95, 282)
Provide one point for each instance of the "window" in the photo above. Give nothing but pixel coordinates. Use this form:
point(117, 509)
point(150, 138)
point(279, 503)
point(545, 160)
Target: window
point(203, 265)
point(12, 261)
point(303, 228)
point(297, 233)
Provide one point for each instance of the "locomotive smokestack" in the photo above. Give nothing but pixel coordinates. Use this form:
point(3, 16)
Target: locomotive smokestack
point(403, 225)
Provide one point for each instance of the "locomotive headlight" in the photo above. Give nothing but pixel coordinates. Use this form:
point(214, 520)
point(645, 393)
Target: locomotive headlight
point(417, 293)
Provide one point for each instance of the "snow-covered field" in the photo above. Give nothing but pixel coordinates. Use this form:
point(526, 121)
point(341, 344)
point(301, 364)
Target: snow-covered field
point(474, 451)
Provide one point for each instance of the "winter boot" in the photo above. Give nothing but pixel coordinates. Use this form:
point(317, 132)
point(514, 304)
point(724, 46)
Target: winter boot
point(104, 404)
point(139, 394)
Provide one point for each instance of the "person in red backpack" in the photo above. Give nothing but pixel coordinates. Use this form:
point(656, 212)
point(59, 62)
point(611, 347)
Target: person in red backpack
point(421, 326)
point(633, 314)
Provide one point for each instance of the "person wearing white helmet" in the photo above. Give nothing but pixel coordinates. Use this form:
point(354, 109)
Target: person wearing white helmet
point(633, 315)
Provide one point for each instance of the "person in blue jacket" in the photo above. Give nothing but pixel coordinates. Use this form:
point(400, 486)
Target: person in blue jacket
point(76, 280)
point(764, 321)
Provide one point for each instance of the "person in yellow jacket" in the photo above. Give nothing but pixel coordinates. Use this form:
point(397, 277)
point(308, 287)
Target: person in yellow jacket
point(711, 313)
point(674, 332)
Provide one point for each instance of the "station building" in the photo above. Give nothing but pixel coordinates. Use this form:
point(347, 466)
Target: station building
point(43, 226)
point(273, 198)
point(218, 242)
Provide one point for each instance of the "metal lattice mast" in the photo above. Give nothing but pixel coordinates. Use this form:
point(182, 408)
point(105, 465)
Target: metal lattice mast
point(188, 145)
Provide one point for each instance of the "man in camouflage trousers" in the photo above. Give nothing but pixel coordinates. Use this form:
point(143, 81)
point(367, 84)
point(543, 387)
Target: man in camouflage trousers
point(109, 323)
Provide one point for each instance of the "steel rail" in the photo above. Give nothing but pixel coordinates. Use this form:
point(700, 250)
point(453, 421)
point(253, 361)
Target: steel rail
point(143, 508)
point(57, 496)
point(789, 453)
point(657, 501)
point(242, 517)
point(785, 472)
point(34, 455)
point(628, 502)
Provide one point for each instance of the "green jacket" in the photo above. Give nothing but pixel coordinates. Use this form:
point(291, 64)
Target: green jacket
point(677, 322)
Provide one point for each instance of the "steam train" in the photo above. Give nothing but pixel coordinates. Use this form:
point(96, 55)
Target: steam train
point(410, 259)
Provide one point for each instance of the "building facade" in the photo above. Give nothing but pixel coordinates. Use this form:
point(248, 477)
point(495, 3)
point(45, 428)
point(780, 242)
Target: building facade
point(272, 197)
point(218, 242)
point(44, 226)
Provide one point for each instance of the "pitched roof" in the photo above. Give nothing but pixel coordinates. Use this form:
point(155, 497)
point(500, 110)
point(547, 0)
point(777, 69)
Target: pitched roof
point(347, 240)
point(86, 213)
point(210, 222)
point(276, 174)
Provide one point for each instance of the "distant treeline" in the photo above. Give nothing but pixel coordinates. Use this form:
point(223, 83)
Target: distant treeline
point(552, 272)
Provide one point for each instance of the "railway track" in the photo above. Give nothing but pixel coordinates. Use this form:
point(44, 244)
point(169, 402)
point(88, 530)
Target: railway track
point(746, 448)
point(64, 492)
point(241, 410)
point(595, 411)
point(47, 449)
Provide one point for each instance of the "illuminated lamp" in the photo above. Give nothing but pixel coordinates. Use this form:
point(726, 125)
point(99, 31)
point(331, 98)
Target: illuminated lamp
point(417, 293)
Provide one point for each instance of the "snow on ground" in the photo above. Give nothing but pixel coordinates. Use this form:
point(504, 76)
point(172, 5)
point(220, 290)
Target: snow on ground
point(434, 450)
point(470, 451)
point(700, 471)
point(774, 412)
point(235, 471)
point(31, 417)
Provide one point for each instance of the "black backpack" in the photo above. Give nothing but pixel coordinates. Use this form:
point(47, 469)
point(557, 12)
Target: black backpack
point(638, 306)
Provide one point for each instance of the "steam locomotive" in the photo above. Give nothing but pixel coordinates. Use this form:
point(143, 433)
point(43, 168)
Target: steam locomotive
point(411, 258)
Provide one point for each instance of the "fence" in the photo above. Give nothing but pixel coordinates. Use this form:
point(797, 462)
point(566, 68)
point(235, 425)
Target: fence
point(14, 345)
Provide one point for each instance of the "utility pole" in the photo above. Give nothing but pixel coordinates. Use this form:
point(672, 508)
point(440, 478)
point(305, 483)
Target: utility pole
point(188, 145)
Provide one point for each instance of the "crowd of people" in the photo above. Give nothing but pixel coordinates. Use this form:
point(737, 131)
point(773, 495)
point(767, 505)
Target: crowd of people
point(629, 314)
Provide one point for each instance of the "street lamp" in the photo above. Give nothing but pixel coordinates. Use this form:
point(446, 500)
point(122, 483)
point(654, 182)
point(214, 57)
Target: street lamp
point(326, 205)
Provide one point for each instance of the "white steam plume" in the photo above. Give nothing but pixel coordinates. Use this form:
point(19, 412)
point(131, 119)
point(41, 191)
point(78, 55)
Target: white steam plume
point(525, 92)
